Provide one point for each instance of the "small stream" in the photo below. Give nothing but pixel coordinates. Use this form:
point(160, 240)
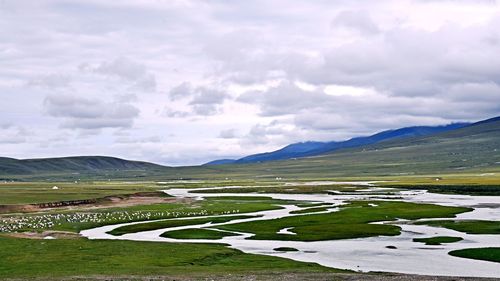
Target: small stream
point(362, 254)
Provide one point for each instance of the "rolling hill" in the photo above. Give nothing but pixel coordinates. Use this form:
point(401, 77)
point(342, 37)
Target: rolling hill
point(473, 148)
point(77, 164)
point(311, 148)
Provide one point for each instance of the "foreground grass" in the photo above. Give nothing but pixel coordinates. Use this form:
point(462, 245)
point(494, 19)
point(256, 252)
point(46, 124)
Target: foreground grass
point(438, 240)
point(23, 258)
point(197, 233)
point(351, 221)
point(469, 226)
point(486, 254)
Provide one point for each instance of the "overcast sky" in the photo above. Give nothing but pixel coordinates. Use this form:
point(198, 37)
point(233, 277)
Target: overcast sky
point(184, 82)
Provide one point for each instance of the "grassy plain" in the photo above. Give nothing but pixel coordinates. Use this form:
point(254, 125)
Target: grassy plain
point(486, 254)
point(12, 193)
point(438, 240)
point(27, 258)
point(467, 226)
point(20, 258)
point(197, 233)
point(147, 226)
point(352, 221)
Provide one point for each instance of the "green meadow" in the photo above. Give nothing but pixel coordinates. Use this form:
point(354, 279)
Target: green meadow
point(486, 254)
point(27, 258)
point(438, 240)
point(315, 221)
point(352, 221)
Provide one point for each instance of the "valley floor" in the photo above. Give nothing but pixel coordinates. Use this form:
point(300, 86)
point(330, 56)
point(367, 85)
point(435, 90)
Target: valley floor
point(274, 229)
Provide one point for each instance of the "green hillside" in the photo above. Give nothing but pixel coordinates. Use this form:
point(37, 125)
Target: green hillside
point(474, 148)
point(83, 165)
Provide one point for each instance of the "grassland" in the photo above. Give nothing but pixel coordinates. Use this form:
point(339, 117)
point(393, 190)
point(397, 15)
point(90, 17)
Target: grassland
point(468, 226)
point(311, 210)
point(197, 233)
point(438, 240)
point(486, 254)
point(77, 220)
point(26, 258)
point(115, 258)
point(352, 221)
point(172, 223)
point(12, 193)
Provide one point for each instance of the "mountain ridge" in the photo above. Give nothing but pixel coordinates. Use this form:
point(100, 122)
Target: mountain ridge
point(71, 164)
point(474, 148)
point(312, 148)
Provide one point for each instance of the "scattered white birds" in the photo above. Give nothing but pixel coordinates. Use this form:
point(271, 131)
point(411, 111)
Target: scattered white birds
point(48, 221)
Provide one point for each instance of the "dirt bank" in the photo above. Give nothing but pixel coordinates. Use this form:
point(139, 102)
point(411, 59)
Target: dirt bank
point(44, 235)
point(140, 198)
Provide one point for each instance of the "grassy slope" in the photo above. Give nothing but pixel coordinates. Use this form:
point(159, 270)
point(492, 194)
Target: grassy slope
point(54, 258)
point(466, 149)
point(486, 254)
point(78, 166)
point(350, 222)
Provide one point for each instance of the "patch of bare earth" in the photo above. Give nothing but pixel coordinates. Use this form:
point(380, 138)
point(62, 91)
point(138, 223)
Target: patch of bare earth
point(49, 234)
point(141, 198)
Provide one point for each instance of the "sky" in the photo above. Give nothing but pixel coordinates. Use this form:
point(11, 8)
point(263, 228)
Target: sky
point(181, 82)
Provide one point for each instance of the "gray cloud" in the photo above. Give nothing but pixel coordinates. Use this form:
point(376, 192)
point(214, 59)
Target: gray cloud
point(228, 134)
point(152, 139)
point(203, 100)
point(125, 69)
point(10, 134)
point(83, 113)
point(359, 20)
point(51, 81)
point(183, 90)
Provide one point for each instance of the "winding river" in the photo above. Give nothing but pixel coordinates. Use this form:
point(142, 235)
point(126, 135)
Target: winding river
point(362, 254)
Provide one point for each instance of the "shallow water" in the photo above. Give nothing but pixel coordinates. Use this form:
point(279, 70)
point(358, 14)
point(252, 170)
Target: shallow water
point(363, 254)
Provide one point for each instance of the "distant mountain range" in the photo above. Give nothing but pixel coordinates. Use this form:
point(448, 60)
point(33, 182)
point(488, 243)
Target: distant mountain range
point(312, 148)
point(456, 148)
point(473, 149)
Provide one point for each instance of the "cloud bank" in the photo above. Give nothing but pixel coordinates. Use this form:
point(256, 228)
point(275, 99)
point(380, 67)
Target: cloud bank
point(184, 82)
